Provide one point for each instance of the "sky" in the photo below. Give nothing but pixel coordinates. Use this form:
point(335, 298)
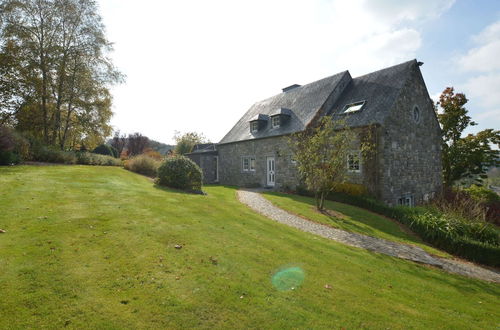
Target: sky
point(198, 66)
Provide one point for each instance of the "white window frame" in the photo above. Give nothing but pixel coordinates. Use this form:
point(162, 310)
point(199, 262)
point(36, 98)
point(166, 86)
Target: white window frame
point(275, 119)
point(350, 167)
point(248, 164)
point(254, 126)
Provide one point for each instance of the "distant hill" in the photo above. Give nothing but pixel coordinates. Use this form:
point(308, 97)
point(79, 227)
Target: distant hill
point(162, 148)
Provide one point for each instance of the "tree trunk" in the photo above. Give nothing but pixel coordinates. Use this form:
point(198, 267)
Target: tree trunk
point(44, 93)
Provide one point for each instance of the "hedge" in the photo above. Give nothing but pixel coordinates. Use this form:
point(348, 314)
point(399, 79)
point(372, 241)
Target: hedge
point(459, 243)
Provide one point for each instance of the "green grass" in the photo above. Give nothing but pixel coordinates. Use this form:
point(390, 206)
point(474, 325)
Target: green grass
point(93, 247)
point(354, 219)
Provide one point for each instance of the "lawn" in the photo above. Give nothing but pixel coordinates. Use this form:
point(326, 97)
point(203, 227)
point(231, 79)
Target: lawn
point(350, 218)
point(94, 247)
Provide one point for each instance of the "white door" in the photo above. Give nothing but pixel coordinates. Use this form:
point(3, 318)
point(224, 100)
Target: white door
point(270, 171)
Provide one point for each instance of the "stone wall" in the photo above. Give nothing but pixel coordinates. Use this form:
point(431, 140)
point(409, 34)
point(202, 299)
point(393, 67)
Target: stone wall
point(231, 170)
point(208, 164)
point(411, 162)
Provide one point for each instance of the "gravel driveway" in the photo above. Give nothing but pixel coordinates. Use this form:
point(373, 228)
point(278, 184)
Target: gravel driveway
point(254, 200)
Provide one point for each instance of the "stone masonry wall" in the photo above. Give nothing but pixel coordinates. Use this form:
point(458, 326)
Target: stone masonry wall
point(207, 163)
point(411, 162)
point(231, 173)
point(230, 163)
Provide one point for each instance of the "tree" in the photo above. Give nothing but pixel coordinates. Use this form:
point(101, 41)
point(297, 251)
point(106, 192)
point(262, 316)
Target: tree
point(104, 149)
point(321, 153)
point(119, 141)
point(53, 58)
point(186, 142)
point(466, 157)
point(136, 144)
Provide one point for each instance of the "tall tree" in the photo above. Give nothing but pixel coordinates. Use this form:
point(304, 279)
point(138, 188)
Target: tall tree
point(119, 141)
point(466, 157)
point(55, 52)
point(136, 144)
point(186, 142)
point(321, 153)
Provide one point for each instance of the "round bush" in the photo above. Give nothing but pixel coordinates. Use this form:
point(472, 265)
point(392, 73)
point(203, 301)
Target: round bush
point(180, 172)
point(106, 150)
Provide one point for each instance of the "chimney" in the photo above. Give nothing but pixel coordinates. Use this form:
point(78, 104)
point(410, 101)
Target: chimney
point(289, 88)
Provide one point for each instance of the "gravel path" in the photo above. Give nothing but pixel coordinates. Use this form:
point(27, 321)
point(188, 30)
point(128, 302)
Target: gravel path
point(254, 200)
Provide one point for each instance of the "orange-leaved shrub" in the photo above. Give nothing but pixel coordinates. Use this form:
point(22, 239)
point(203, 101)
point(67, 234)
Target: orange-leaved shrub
point(143, 164)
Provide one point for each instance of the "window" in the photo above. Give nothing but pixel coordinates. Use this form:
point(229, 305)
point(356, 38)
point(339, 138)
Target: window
point(416, 114)
point(254, 126)
point(353, 107)
point(354, 162)
point(275, 121)
point(406, 201)
point(248, 164)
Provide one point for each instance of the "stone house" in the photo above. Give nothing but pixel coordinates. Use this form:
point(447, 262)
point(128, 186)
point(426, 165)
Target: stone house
point(393, 103)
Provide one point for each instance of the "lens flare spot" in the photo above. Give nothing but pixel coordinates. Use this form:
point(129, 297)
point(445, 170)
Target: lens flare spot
point(288, 279)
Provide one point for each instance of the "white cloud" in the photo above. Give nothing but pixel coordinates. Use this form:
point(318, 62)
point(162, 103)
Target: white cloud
point(483, 58)
point(199, 65)
point(401, 10)
point(482, 63)
point(486, 88)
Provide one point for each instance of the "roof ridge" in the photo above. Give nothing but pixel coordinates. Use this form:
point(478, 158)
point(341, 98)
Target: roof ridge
point(302, 86)
point(387, 68)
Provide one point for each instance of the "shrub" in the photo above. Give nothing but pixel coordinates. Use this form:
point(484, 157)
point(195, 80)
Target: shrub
point(13, 147)
point(180, 172)
point(482, 194)
point(153, 154)
point(106, 150)
point(143, 164)
point(53, 155)
point(474, 240)
point(474, 203)
point(87, 158)
point(351, 189)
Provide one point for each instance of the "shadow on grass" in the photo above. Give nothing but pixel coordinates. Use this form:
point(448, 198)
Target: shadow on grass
point(179, 191)
point(188, 192)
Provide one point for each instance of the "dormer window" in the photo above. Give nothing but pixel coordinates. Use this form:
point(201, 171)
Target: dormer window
point(254, 126)
point(258, 122)
point(280, 117)
point(354, 107)
point(275, 121)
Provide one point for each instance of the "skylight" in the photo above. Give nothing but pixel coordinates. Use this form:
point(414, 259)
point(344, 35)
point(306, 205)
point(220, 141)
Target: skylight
point(353, 107)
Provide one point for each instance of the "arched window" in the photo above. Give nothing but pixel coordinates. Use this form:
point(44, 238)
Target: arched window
point(416, 114)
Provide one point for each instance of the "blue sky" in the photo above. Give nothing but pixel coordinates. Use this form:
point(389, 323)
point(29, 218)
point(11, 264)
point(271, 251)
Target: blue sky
point(199, 65)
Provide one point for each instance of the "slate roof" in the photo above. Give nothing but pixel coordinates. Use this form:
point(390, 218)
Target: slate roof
point(379, 89)
point(203, 148)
